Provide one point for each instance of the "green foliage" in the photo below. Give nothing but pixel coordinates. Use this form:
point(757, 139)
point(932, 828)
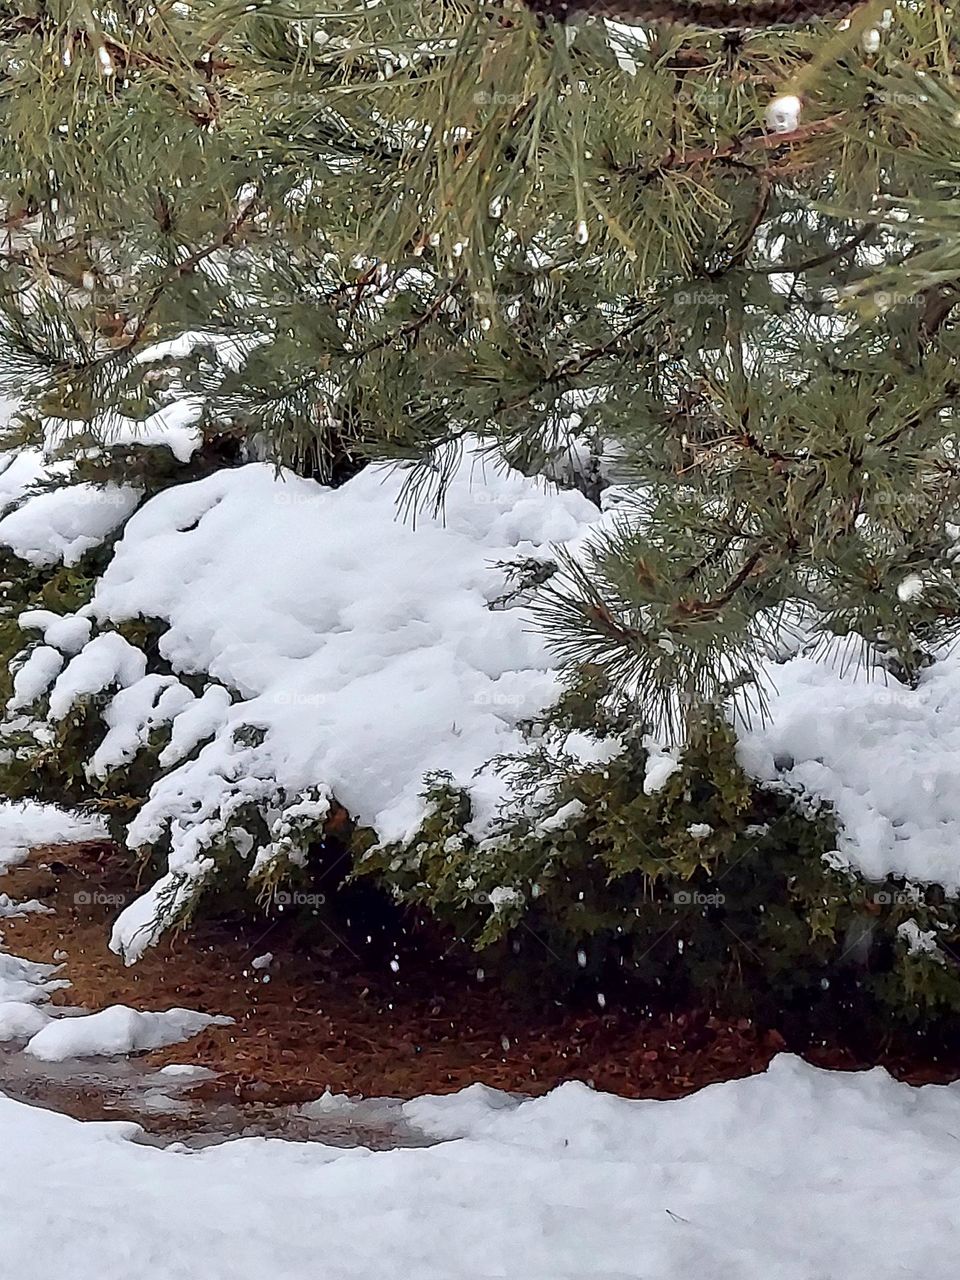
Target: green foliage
point(388, 227)
point(706, 888)
point(412, 222)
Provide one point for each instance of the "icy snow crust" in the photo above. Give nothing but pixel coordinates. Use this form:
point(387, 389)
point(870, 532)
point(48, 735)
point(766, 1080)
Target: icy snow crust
point(794, 1174)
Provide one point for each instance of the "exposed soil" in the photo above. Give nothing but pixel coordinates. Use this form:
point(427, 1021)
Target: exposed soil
point(330, 1013)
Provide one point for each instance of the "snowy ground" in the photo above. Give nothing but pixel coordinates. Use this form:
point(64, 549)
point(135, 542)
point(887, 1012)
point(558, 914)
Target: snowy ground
point(798, 1174)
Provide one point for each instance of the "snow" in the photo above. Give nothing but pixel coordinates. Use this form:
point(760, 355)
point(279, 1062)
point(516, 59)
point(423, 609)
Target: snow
point(24, 982)
point(118, 1030)
point(372, 657)
point(366, 660)
point(34, 676)
point(142, 923)
point(797, 1173)
point(661, 764)
point(783, 114)
point(911, 588)
point(173, 427)
point(919, 941)
point(133, 714)
point(107, 660)
point(19, 471)
point(886, 757)
point(20, 1020)
point(69, 634)
point(62, 525)
point(9, 909)
point(27, 825)
point(362, 656)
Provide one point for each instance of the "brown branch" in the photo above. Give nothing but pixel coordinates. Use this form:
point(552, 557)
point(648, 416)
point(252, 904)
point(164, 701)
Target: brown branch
point(577, 364)
point(751, 141)
point(185, 268)
point(717, 14)
point(699, 608)
point(821, 259)
point(413, 327)
point(742, 247)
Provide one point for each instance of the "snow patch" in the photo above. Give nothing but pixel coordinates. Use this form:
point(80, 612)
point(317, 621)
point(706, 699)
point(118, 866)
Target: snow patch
point(118, 1030)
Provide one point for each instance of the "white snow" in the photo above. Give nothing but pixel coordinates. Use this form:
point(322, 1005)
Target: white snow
point(20, 1020)
point(9, 909)
point(133, 714)
point(173, 427)
point(371, 657)
point(662, 763)
point(797, 1174)
point(363, 661)
point(68, 634)
point(885, 756)
point(24, 982)
point(783, 114)
point(362, 655)
point(34, 676)
point(19, 471)
point(107, 660)
point(62, 525)
point(118, 1030)
point(919, 941)
point(28, 825)
point(910, 588)
point(700, 830)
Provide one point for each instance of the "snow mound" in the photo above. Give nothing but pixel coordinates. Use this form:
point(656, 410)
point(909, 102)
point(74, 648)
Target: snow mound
point(118, 1030)
point(886, 757)
point(20, 471)
point(361, 652)
point(20, 1020)
point(797, 1173)
point(62, 525)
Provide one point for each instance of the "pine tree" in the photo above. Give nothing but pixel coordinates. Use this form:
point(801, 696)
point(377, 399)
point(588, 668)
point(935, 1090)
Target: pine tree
point(715, 243)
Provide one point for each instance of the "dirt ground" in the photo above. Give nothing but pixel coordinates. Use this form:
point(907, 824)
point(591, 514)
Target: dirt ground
point(323, 1016)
